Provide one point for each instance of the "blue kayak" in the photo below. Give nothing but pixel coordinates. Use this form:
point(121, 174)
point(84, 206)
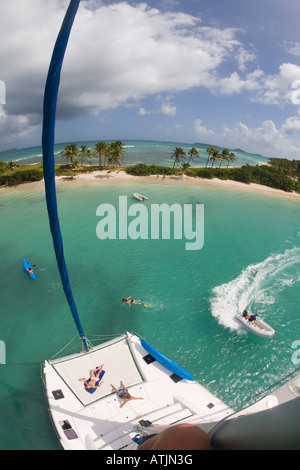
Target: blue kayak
point(166, 362)
point(27, 266)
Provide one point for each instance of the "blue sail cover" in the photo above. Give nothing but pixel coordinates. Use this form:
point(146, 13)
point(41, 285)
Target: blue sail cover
point(48, 135)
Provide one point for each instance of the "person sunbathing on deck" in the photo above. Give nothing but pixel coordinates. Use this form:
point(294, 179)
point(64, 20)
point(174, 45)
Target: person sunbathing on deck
point(124, 394)
point(94, 377)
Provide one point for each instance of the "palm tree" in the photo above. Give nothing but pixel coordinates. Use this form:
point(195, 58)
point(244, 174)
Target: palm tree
point(210, 152)
point(178, 155)
point(215, 156)
point(184, 167)
point(89, 156)
point(193, 152)
point(106, 153)
point(116, 153)
point(70, 152)
point(83, 153)
point(224, 156)
point(99, 150)
point(11, 165)
point(231, 158)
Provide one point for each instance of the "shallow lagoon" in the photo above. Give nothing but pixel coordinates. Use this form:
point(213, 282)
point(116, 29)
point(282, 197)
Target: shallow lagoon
point(251, 255)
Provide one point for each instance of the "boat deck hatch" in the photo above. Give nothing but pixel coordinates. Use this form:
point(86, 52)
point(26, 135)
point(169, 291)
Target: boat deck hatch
point(57, 394)
point(175, 378)
point(149, 359)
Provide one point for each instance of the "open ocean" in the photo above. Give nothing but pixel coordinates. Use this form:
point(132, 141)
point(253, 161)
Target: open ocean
point(137, 151)
point(250, 259)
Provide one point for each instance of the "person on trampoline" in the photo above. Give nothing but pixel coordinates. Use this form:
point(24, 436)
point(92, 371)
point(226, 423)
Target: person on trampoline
point(94, 378)
point(124, 394)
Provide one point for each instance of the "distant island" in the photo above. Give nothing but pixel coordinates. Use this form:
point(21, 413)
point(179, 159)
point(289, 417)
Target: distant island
point(237, 150)
point(240, 151)
point(8, 150)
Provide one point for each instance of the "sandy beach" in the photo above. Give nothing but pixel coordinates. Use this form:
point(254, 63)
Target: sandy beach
point(120, 176)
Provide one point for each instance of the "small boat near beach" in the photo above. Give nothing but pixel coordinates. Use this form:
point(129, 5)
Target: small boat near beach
point(139, 197)
point(258, 327)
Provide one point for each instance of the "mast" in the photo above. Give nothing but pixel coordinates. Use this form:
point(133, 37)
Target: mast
point(48, 136)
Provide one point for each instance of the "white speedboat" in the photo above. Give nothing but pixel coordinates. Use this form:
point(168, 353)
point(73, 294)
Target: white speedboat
point(258, 327)
point(140, 197)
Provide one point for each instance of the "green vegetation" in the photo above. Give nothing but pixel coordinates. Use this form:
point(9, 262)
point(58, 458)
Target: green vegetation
point(290, 168)
point(260, 174)
point(279, 173)
point(264, 174)
point(12, 174)
point(141, 169)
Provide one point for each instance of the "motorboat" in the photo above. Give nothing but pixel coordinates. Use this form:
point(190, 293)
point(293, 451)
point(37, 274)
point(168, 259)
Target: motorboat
point(140, 197)
point(258, 326)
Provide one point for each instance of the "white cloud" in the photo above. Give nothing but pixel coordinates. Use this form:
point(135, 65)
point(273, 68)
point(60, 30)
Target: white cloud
point(266, 138)
point(277, 89)
point(263, 88)
point(143, 112)
point(168, 109)
point(200, 130)
point(118, 54)
point(165, 108)
point(292, 47)
point(271, 141)
point(16, 127)
point(291, 125)
point(235, 84)
point(243, 57)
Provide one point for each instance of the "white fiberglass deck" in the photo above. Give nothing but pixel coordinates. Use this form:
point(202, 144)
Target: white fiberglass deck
point(85, 421)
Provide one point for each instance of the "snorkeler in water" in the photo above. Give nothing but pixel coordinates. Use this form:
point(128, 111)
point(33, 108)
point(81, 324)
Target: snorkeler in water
point(136, 302)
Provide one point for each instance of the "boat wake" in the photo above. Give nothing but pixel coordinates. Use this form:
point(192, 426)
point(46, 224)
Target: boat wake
point(257, 286)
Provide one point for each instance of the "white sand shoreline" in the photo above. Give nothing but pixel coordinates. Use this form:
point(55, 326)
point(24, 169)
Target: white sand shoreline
point(121, 176)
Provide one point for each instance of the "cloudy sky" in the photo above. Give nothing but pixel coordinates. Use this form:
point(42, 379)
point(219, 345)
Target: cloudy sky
point(225, 72)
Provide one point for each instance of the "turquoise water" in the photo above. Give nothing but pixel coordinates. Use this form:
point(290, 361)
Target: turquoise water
point(135, 152)
point(250, 258)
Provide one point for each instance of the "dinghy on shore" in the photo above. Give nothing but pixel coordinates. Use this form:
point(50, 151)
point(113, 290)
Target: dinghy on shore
point(258, 327)
point(139, 197)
